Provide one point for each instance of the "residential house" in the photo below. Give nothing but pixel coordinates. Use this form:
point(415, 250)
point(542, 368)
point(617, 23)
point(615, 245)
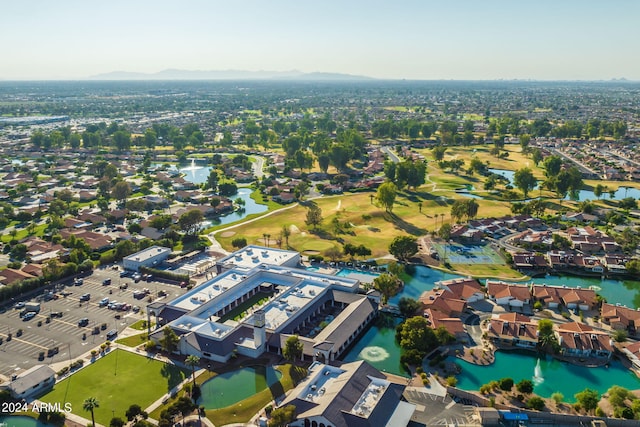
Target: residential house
point(529, 261)
point(571, 298)
point(513, 329)
point(581, 340)
point(507, 294)
point(11, 275)
point(620, 317)
point(466, 289)
point(632, 351)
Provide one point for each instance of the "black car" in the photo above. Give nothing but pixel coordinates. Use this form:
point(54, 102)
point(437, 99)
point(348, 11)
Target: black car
point(83, 322)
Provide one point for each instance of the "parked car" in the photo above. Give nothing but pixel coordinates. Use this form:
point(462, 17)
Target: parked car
point(83, 322)
point(28, 316)
point(78, 282)
point(19, 305)
point(103, 302)
point(106, 282)
point(85, 297)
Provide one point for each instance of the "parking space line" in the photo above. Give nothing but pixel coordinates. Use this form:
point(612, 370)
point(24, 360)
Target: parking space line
point(28, 343)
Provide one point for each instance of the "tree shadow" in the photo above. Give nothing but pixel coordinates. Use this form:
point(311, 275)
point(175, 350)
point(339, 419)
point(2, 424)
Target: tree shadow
point(173, 374)
point(401, 224)
point(276, 389)
point(323, 234)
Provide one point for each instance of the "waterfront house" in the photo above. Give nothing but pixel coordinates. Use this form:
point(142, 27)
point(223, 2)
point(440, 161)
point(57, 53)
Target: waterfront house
point(580, 340)
point(513, 329)
point(507, 294)
point(620, 317)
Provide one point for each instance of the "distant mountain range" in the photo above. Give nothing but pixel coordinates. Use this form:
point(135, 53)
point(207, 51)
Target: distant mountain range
point(173, 74)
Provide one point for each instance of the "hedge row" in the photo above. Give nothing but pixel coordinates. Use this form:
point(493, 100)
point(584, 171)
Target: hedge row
point(164, 274)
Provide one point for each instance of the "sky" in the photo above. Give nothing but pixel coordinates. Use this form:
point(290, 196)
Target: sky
point(401, 39)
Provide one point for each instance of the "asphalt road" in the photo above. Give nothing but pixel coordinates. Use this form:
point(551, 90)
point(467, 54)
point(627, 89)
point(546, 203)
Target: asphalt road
point(63, 332)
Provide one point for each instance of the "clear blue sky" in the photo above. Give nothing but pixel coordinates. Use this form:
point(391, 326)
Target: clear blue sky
point(411, 39)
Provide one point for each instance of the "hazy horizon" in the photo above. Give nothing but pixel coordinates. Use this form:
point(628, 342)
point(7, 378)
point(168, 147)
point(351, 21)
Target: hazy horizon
point(414, 40)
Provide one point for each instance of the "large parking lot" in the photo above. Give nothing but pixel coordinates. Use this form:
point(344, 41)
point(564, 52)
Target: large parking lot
point(63, 331)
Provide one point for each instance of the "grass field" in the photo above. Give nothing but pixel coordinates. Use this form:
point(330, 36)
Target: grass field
point(133, 340)
point(362, 222)
point(117, 381)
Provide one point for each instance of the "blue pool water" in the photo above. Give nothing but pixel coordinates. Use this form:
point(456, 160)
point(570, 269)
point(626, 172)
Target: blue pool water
point(346, 272)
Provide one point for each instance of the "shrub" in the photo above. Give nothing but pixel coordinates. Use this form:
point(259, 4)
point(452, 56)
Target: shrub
point(525, 386)
point(419, 370)
point(536, 403)
point(452, 381)
point(557, 397)
point(506, 384)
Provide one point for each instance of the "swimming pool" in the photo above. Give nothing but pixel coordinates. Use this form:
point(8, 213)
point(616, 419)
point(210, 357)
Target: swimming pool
point(346, 272)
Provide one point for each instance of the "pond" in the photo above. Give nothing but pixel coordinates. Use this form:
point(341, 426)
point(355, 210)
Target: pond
point(552, 375)
point(509, 174)
point(21, 421)
point(250, 207)
point(620, 193)
point(231, 387)
point(378, 347)
point(194, 173)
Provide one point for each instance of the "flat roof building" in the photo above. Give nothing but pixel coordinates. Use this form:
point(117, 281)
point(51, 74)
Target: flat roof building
point(252, 255)
point(30, 382)
point(354, 394)
point(150, 257)
point(252, 308)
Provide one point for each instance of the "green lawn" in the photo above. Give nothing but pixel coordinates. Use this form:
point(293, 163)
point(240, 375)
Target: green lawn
point(141, 325)
point(117, 381)
point(133, 340)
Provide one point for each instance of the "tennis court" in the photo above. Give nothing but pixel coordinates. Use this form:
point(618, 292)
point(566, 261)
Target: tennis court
point(457, 253)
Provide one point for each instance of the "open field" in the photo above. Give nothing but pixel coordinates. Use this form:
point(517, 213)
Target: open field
point(117, 381)
point(362, 222)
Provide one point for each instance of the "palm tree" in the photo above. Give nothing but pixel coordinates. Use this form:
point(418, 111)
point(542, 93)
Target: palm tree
point(193, 361)
point(90, 404)
point(286, 232)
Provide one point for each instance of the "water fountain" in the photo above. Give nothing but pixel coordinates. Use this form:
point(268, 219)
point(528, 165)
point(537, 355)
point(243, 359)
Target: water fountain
point(374, 354)
point(192, 168)
point(537, 374)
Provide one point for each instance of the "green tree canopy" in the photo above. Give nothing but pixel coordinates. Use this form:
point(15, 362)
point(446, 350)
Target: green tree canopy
point(292, 348)
point(403, 247)
point(386, 195)
point(524, 180)
point(314, 215)
point(190, 221)
point(387, 284)
point(588, 399)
